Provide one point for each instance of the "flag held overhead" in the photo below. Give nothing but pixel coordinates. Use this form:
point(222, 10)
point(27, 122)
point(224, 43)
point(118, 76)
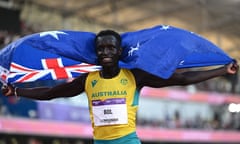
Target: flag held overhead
point(159, 50)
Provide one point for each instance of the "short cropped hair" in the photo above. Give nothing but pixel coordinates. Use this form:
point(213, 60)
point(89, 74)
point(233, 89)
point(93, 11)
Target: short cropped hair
point(109, 32)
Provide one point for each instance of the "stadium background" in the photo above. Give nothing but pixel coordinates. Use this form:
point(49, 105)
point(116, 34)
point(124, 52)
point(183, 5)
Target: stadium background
point(202, 113)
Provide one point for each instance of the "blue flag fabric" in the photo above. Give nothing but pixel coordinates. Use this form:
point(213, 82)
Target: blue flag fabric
point(76, 45)
point(159, 50)
point(36, 57)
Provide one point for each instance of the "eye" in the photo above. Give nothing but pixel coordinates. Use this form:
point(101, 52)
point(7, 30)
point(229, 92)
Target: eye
point(112, 48)
point(100, 50)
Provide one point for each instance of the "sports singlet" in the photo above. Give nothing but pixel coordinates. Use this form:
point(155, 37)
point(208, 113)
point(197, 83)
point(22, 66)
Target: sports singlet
point(113, 104)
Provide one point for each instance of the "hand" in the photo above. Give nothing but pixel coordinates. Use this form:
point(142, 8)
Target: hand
point(8, 90)
point(232, 68)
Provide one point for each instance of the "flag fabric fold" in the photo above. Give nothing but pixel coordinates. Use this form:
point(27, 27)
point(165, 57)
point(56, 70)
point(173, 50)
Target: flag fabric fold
point(52, 55)
point(161, 50)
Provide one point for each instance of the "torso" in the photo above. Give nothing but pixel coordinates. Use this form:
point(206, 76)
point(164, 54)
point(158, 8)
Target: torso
point(113, 104)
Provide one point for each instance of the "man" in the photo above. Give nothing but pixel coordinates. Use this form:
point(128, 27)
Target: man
point(113, 92)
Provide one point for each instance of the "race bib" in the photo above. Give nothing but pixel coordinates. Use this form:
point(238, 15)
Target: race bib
point(110, 111)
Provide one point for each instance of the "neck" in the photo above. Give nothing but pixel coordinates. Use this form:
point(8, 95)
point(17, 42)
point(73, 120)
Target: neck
point(109, 72)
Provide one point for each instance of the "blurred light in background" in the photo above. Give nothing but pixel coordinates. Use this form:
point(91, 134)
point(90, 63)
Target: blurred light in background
point(234, 108)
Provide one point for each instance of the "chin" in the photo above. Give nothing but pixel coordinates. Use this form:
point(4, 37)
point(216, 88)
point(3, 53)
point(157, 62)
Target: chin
point(107, 64)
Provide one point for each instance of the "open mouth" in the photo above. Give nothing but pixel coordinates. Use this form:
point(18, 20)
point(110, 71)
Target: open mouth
point(106, 60)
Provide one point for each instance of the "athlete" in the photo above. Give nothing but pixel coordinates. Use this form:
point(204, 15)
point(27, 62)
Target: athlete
point(113, 92)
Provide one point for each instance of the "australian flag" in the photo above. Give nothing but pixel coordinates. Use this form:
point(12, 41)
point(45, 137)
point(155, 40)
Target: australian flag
point(159, 50)
point(47, 56)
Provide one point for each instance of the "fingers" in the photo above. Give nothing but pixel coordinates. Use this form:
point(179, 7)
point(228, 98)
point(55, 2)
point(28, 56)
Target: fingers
point(233, 67)
point(9, 93)
point(4, 89)
point(7, 90)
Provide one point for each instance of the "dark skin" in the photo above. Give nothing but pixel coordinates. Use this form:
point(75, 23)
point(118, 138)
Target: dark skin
point(108, 51)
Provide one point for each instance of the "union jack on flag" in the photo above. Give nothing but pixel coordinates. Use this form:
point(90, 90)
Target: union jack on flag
point(53, 69)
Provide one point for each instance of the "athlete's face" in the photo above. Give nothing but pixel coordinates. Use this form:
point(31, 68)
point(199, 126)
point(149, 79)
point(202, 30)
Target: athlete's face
point(108, 50)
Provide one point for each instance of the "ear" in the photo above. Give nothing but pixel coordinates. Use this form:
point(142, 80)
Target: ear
point(120, 51)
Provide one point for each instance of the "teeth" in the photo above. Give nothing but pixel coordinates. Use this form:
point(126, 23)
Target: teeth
point(107, 59)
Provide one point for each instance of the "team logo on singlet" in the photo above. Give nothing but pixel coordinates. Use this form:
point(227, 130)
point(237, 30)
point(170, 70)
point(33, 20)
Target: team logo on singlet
point(94, 82)
point(123, 81)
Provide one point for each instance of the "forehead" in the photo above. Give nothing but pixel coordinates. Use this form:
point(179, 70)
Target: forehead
point(106, 39)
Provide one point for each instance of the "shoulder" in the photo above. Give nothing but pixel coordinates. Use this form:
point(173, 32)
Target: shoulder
point(139, 76)
point(81, 79)
point(138, 73)
point(128, 73)
point(144, 78)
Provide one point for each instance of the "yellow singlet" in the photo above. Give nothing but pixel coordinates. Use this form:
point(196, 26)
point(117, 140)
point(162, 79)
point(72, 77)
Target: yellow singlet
point(113, 104)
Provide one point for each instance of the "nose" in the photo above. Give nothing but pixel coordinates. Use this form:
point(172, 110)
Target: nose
point(105, 50)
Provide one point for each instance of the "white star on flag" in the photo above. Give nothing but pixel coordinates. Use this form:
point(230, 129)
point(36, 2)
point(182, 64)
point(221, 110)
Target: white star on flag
point(130, 52)
point(52, 33)
point(165, 27)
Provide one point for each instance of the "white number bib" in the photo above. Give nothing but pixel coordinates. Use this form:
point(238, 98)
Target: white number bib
point(110, 111)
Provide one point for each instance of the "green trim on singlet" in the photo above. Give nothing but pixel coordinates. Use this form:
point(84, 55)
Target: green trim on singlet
point(128, 139)
point(136, 98)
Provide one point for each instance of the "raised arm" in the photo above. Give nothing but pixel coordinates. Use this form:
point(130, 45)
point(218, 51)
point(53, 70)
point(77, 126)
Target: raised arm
point(185, 78)
point(46, 93)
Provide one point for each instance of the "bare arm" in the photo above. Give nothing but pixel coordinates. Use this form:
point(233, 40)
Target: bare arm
point(185, 78)
point(46, 93)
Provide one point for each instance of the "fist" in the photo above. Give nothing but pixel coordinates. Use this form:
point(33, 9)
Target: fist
point(7, 90)
point(4, 89)
point(232, 68)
